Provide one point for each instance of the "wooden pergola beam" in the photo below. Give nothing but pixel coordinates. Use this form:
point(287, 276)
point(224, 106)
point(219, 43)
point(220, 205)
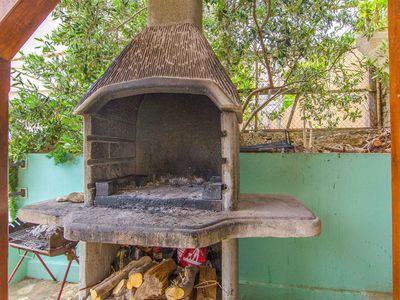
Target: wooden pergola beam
point(5, 7)
point(394, 65)
point(4, 89)
point(18, 20)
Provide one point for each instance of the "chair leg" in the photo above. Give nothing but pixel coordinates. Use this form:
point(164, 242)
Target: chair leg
point(45, 266)
point(17, 266)
point(64, 279)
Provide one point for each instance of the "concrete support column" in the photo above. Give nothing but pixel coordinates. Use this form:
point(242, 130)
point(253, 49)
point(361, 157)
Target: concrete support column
point(230, 178)
point(230, 157)
point(94, 264)
point(230, 269)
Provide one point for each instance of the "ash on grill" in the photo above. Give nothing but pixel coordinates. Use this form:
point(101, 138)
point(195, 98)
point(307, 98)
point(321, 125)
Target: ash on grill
point(195, 192)
point(169, 188)
point(46, 239)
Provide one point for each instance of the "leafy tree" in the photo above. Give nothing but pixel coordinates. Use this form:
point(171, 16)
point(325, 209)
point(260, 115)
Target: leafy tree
point(269, 47)
point(372, 19)
point(294, 50)
point(372, 16)
point(91, 33)
point(299, 47)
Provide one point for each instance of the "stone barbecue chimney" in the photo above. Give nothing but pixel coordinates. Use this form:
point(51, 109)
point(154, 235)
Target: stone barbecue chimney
point(168, 12)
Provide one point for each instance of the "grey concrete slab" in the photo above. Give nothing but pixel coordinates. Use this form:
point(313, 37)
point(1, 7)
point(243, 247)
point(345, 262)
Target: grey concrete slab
point(257, 216)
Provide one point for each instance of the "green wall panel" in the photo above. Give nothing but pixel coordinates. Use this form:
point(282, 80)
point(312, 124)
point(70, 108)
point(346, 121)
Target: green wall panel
point(350, 193)
point(45, 181)
point(13, 257)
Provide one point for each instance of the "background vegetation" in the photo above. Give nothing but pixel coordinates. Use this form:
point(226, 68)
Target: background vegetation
point(272, 47)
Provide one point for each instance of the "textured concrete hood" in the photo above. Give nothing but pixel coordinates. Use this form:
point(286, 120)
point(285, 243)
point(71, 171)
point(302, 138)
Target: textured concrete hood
point(166, 57)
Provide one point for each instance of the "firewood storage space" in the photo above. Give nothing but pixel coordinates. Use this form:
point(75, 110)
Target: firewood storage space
point(161, 149)
point(153, 272)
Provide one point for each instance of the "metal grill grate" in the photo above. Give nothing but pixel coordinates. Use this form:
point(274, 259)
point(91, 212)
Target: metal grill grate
point(20, 237)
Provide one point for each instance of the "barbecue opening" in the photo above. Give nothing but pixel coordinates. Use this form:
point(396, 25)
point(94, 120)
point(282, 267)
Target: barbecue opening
point(156, 147)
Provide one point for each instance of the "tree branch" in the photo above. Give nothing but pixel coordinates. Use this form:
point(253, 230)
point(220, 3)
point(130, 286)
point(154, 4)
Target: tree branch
point(130, 18)
point(294, 105)
point(284, 88)
point(264, 104)
point(261, 38)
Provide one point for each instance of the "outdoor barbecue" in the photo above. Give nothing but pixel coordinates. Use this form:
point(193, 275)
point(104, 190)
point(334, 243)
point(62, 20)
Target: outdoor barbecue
point(161, 140)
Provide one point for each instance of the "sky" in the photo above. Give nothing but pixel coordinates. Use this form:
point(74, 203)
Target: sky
point(30, 46)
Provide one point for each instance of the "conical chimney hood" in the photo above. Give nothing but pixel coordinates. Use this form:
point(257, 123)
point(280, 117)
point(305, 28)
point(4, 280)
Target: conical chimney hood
point(170, 56)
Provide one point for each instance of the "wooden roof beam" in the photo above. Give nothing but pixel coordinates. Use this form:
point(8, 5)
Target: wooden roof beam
point(18, 21)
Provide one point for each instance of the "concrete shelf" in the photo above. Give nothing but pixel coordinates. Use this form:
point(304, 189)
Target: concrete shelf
point(257, 216)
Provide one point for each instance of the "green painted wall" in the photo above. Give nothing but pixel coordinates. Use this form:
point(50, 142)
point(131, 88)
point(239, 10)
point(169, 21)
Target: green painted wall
point(45, 181)
point(350, 193)
point(13, 258)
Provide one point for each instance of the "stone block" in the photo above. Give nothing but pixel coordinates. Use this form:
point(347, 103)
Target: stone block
point(105, 188)
point(212, 191)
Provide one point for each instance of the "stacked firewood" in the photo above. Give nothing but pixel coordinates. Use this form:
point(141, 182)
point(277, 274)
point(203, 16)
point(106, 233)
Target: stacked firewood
point(148, 279)
point(379, 142)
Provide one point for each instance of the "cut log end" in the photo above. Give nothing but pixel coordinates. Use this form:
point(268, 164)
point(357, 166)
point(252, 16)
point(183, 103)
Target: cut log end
point(174, 292)
point(136, 280)
point(183, 286)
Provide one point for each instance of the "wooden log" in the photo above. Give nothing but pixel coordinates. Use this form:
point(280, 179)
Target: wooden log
point(135, 278)
point(72, 197)
point(156, 280)
point(120, 288)
point(190, 296)
point(105, 297)
point(377, 142)
point(205, 289)
point(106, 286)
point(183, 286)
point(130, 294)
point(123, 295)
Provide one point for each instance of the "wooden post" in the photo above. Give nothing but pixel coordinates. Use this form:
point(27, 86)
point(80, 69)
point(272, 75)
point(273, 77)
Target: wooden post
point(18, 20)
point(394, 65)
point(5, 88)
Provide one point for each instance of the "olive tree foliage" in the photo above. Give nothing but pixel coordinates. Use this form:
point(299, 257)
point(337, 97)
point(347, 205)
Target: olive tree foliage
point(295, 47)
point(273, 47)
point(373, 18)
point(90, 34)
